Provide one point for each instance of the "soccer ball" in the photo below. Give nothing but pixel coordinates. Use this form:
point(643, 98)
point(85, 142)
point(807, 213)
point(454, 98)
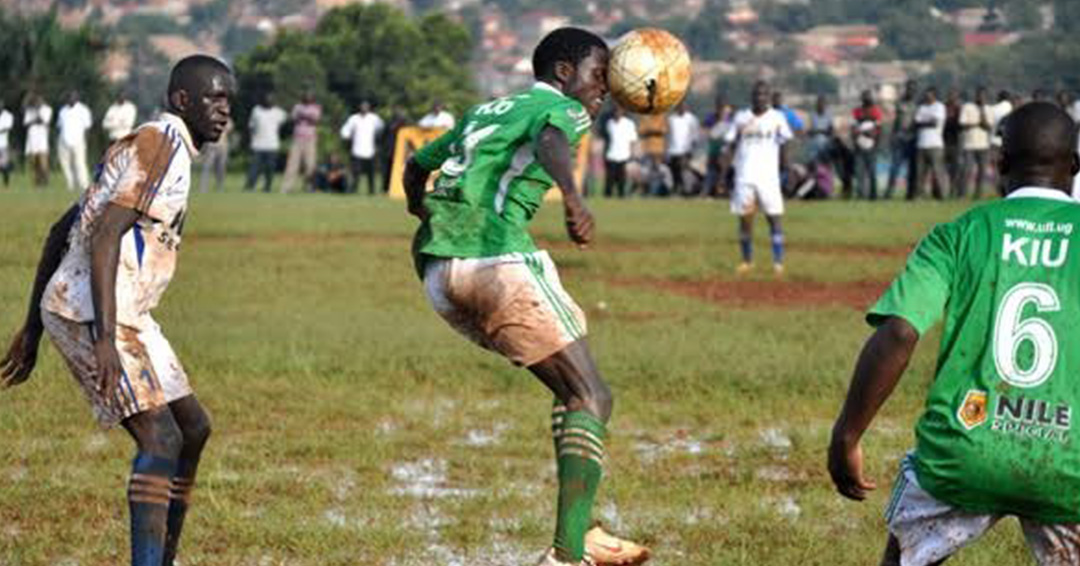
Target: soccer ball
point(649, 71)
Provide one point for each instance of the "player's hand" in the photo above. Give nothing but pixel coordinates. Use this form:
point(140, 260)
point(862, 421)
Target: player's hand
point(109, 368)
point(579, 223)
point(846, 469)
point(21, 357)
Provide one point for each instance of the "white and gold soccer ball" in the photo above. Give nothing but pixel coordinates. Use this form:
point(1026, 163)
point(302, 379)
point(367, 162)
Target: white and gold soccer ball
point(649, 71)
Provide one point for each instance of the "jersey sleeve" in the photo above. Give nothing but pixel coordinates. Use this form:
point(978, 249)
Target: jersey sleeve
point(134, 173)
point(920, 293)
point(572, 119)
point(432, 155)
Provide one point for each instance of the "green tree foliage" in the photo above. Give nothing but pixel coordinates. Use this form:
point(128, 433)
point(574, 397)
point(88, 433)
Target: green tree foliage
point(363, 52)
point(916, 34)
point(37, 54)
point(1067, 16)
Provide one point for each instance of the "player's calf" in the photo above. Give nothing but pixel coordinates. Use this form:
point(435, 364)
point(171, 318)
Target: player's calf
point(149, 489)
point(195, 429)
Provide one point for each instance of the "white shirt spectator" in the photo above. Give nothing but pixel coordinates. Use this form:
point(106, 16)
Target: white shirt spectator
point(363, 130)
point(621, 133)
point(120, 119)
point(265, 124)
point(976, 121)
point(1074, 111)
point(1001, 110)
point(441, 119)
point(73, 121)
point(37, 135)
point(934, 136)
point(759, 138)
point(7, 121)
point(683, 131)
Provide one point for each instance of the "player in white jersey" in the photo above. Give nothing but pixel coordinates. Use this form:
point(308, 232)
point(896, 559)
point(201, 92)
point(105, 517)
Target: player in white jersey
point(105, 265)
point(758, 137)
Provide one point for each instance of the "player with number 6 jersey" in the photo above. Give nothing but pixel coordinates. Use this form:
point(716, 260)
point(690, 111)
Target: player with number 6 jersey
point(997, 436)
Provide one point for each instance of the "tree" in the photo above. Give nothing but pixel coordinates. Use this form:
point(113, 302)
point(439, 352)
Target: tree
point(915, 34)
point(1067, 16)
point(363, 52)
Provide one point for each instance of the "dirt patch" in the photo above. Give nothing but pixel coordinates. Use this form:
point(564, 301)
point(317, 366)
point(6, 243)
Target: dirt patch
point(846, 250)
point(780, 294)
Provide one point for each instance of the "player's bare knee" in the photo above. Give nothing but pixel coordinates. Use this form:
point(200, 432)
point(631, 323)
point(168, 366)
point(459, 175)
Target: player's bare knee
point(599, 401)
point(196, 432)
point(162, 437)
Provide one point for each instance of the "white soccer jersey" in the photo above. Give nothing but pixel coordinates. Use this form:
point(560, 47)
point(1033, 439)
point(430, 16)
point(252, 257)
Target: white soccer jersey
point(759, 138)
point(148, 171)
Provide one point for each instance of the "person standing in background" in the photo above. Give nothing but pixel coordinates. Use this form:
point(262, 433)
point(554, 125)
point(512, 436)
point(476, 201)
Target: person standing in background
point(73, 120)
point(903, 140)
point(622, 136)
point(976, 120)
point(438, 118)
point(683, 131)
point(821, 134)
point(388, 142)
point(954, 102)
point(930, 123)
point(1002, 109)
point(120, 118)
point(265, 127)
point(865, 133)
point(718, 122)
point(7, 121)
point(36, 119)
point(215, 156)
point(362, 130)
point(304, 151)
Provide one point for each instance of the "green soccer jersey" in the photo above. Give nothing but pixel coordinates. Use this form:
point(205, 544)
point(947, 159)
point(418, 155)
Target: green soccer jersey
point(996, 434)
point(490, 183)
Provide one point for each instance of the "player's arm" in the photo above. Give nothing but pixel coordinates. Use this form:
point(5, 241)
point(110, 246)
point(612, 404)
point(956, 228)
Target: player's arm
point(883, 360)
point(419, 167)
point(21, 356)
point(109, 229)
point(555, 156)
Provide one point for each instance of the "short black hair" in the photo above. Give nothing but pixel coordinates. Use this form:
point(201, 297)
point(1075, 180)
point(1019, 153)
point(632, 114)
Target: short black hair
point(569, 44)
point(188, 71)
point(1039, 134)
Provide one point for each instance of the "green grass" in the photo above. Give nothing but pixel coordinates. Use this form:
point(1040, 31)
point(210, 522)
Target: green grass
point(352, 426)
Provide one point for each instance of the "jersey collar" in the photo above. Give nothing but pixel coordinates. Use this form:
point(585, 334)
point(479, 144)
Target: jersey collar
point(548, 87)
point(178, 123)
point(1040, 192)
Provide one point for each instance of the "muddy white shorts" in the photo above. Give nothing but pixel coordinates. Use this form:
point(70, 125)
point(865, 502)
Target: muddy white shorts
point(929, 530)
point(152, 377)
point(747, 198)
point(512, 304)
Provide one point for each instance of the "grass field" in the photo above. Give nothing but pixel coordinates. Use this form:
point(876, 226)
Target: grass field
point(354, 428)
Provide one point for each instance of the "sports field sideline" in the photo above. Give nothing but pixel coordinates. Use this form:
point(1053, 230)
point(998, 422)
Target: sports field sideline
point(353, 427)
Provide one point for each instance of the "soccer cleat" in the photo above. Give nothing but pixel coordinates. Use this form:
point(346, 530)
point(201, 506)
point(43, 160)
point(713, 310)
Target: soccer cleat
point(744, 268)
point(549, 559)
point(605, 549)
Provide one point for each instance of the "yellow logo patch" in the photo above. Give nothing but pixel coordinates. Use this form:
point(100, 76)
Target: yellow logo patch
point(972, 411)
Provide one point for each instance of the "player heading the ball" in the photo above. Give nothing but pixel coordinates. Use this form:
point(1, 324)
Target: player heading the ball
point(484, 275)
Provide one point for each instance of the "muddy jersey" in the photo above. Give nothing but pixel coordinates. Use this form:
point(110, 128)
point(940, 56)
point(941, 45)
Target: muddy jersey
point(997, 432)
point(148, 171)
point(490, 183)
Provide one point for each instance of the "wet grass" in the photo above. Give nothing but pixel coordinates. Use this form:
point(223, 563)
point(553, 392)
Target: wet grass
point(353, 427)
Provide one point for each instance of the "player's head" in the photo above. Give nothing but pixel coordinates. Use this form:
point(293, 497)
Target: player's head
point(576, 62)
point(201, 88)
point(867, 97)
point(1039, 147)
point(759, 97)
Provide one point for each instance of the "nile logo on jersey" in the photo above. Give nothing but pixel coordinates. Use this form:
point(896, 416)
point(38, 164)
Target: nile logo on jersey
point(1032, 418)
point(972, 411)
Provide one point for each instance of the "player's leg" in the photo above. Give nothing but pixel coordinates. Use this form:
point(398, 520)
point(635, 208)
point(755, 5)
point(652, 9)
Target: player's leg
point(194, 426)
point(159, 442)
point(587, 402)
point(776, 237)
point(1052, 544)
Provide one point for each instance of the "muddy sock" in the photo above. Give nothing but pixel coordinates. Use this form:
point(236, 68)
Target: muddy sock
point(148, 501)
point(580, 457)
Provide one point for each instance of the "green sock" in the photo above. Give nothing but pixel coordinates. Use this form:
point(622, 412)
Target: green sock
point(579, 447)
